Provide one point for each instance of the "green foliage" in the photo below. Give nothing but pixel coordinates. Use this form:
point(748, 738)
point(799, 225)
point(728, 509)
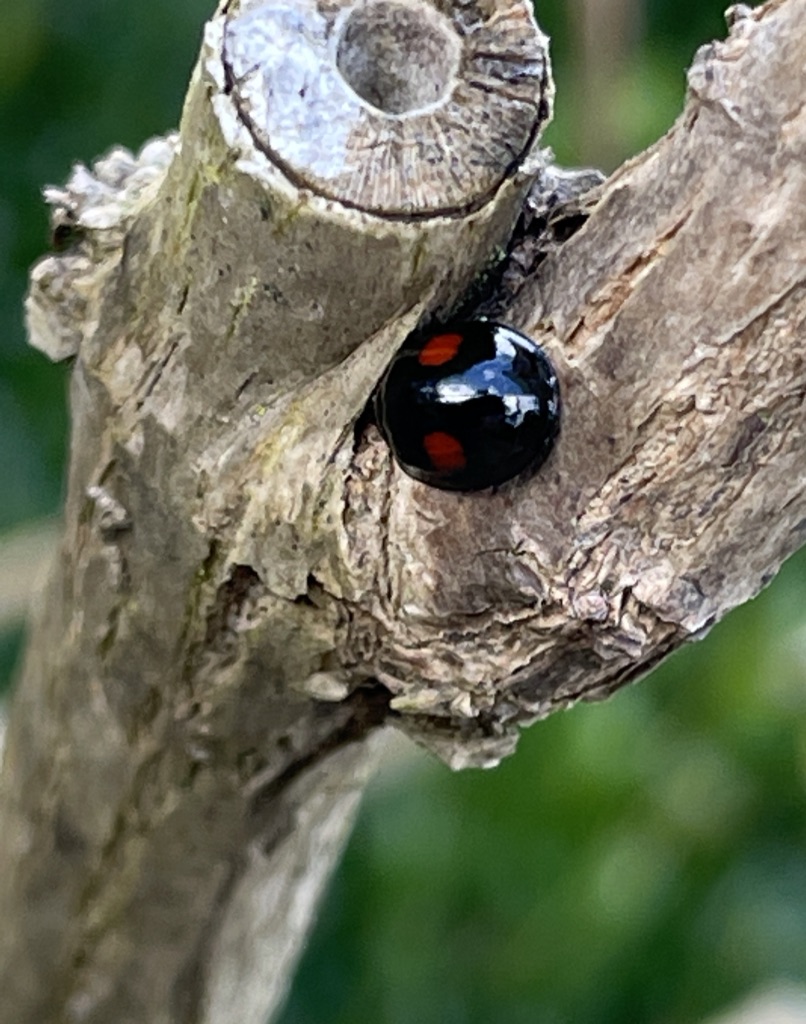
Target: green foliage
point(640, 860)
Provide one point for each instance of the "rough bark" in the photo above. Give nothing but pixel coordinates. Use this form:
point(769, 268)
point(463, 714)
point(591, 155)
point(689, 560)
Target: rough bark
point(248, 587)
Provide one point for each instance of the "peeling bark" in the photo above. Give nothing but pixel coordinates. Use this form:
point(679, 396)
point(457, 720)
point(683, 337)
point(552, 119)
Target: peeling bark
point(248, 587)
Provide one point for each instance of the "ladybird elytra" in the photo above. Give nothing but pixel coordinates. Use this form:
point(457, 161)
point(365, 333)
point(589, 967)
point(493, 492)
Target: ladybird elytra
point(445, 452)
point(439, 349)
point(469, 406)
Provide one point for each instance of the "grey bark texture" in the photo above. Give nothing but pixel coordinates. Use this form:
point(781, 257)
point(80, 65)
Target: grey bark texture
point(248, 588)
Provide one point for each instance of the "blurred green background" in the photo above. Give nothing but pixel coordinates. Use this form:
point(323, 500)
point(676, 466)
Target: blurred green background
point(638, 861)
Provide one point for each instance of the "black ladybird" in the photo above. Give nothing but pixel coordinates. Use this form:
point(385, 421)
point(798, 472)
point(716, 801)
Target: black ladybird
point(469, 406)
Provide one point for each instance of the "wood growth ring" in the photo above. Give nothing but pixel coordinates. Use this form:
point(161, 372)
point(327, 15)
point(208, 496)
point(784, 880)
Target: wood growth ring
point(403, 110)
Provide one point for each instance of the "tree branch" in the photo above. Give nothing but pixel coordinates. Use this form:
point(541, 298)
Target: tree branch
point(25, 553)
point(248, 586)
point(173, 796)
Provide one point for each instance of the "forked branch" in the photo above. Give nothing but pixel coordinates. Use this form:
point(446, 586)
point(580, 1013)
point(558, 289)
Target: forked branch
point(248, 586)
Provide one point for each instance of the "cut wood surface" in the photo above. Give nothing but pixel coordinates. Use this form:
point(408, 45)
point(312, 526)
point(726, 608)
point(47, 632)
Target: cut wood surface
point(248, 587)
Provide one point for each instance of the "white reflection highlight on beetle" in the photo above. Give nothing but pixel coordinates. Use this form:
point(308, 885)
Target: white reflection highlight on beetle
point(487, 378)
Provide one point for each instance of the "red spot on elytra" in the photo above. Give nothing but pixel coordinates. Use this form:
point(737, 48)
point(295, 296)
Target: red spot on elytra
point(444, 450)
point(439, 349)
